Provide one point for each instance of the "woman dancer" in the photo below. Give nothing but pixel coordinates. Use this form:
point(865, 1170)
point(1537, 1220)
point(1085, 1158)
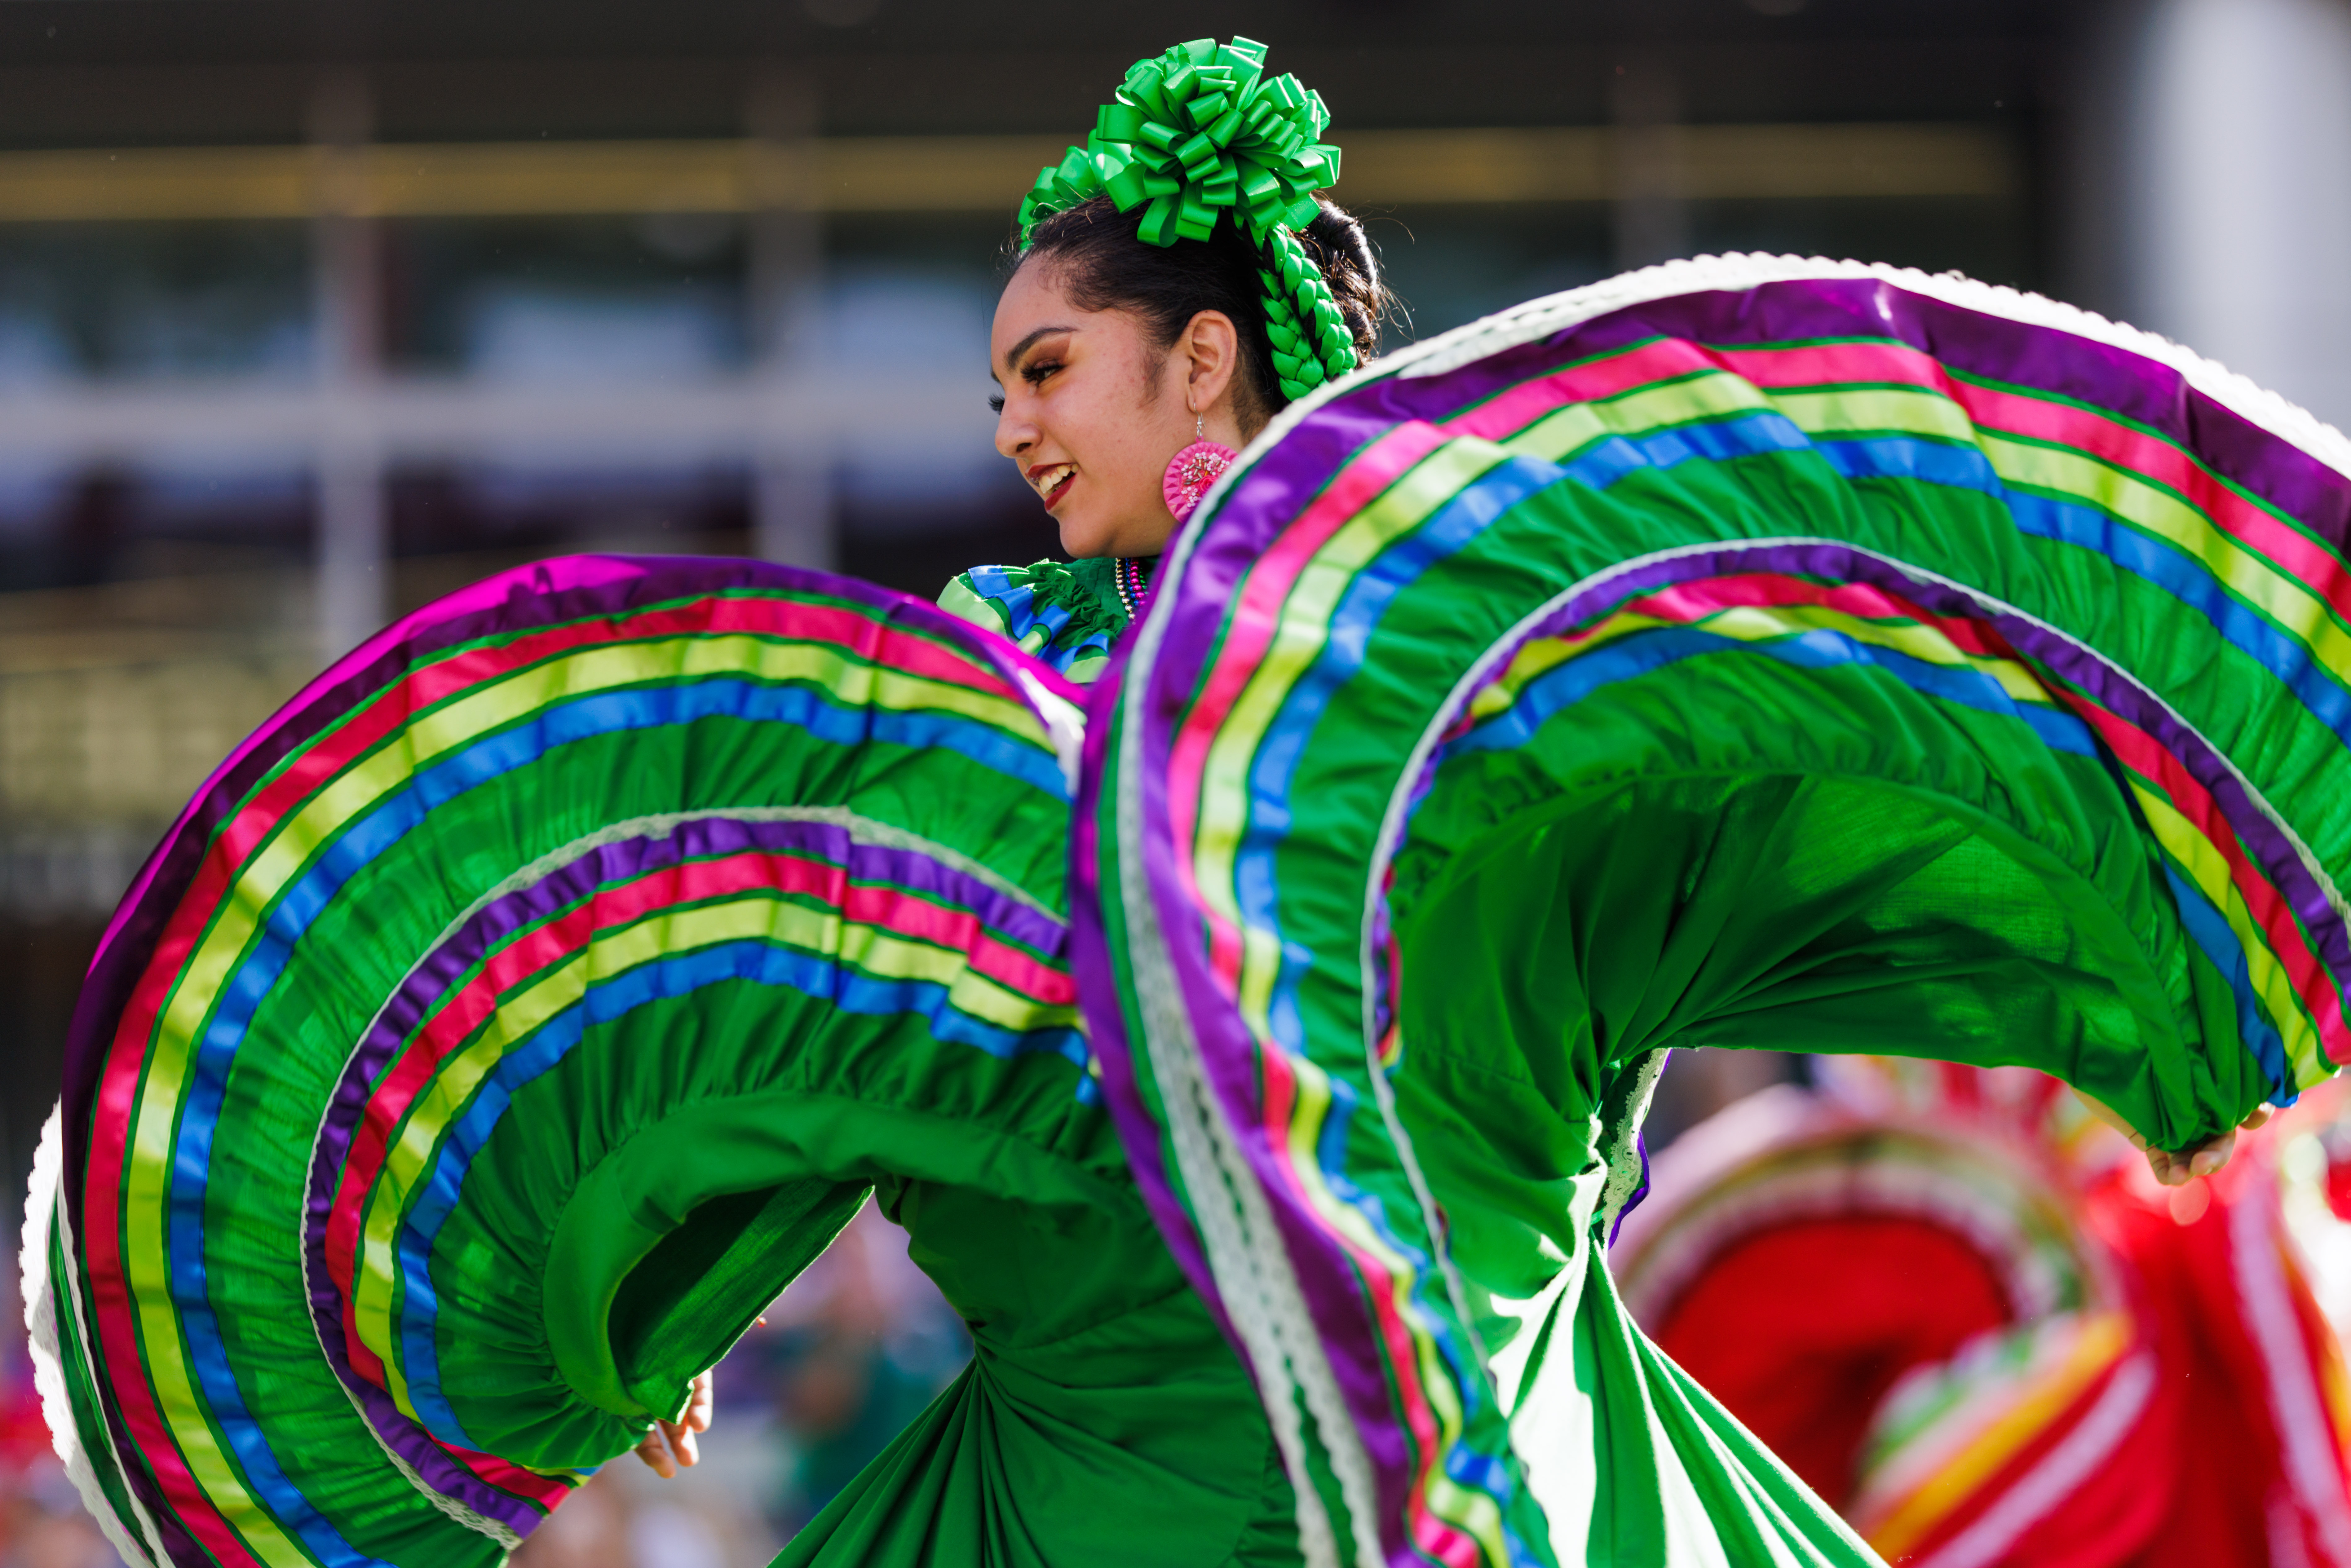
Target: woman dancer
point(1131, 370)
point(1676, 661)
point(1075, 355)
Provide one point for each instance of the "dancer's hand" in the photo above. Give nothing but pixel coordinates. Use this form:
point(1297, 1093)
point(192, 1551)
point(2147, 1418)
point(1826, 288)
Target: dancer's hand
point(2180, 1169)
point(2176, 1170)
point(671, 1443)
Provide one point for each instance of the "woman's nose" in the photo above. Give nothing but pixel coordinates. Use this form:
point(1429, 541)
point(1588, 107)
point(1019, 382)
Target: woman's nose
point(1015, 432)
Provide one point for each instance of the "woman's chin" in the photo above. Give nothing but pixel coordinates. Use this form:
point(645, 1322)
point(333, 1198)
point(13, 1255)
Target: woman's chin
point(1082, 539)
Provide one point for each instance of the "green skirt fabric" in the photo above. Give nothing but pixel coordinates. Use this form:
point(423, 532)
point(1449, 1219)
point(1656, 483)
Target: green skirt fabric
point(508, 1020)
point(1749, 653)
point(1746, 654)
point(1529, 1053)
point(1096, 1423)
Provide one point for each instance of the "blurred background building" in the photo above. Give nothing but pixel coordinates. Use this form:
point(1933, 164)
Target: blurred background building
point(313, 309)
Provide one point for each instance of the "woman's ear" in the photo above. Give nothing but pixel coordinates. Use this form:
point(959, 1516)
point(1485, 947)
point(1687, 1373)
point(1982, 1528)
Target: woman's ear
point(1212, 345)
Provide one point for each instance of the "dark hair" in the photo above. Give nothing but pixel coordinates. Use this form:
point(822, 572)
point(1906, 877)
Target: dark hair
point(1103, 264)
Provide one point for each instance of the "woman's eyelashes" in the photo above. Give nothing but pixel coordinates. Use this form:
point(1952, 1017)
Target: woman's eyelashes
point(1034, 375)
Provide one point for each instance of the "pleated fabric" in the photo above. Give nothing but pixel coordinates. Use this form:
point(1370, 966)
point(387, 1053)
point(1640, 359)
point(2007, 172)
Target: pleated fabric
point(1743, 652)
point(512, 1017)
point(1960, 1305)
point(1918, 1306)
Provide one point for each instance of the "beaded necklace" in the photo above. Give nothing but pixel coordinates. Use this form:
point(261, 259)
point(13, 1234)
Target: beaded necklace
point(1126, 576)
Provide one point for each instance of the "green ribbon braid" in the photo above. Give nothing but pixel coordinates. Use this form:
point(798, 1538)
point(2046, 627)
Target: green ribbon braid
point(1201, 130)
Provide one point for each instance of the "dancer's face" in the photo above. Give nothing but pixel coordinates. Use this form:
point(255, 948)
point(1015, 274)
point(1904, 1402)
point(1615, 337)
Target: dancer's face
point(1090, 415)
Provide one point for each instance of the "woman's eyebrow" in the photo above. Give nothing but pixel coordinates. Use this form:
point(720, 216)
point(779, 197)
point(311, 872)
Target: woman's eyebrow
point(1012, 355)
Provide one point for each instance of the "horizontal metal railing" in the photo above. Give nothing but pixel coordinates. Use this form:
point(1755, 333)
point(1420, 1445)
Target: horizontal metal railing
point(973, 173)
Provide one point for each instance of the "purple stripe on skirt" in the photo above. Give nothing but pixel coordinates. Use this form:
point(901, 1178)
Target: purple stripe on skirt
point(526, 599)
point(2113, 690)
point(1279, 488)
point(1098, 994)
point(605, 864)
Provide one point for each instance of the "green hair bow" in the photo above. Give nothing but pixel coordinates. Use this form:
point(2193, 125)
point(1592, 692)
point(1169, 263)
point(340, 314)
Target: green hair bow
point(1200, 131)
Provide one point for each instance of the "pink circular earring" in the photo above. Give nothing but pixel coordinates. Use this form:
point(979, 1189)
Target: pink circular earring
point(1191, 471)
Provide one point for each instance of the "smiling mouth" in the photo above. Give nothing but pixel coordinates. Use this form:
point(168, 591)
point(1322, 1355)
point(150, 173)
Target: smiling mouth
point(1053, 482)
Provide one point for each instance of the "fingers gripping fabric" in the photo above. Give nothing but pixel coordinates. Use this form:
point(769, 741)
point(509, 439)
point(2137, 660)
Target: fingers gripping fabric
point(1742, 652)
point(507, 1020)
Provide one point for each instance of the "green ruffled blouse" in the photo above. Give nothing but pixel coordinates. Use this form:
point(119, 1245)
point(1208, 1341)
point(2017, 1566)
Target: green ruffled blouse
point(1069, 614)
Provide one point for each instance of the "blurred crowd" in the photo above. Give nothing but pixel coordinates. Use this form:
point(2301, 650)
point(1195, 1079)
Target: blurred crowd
point(858, 1345)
